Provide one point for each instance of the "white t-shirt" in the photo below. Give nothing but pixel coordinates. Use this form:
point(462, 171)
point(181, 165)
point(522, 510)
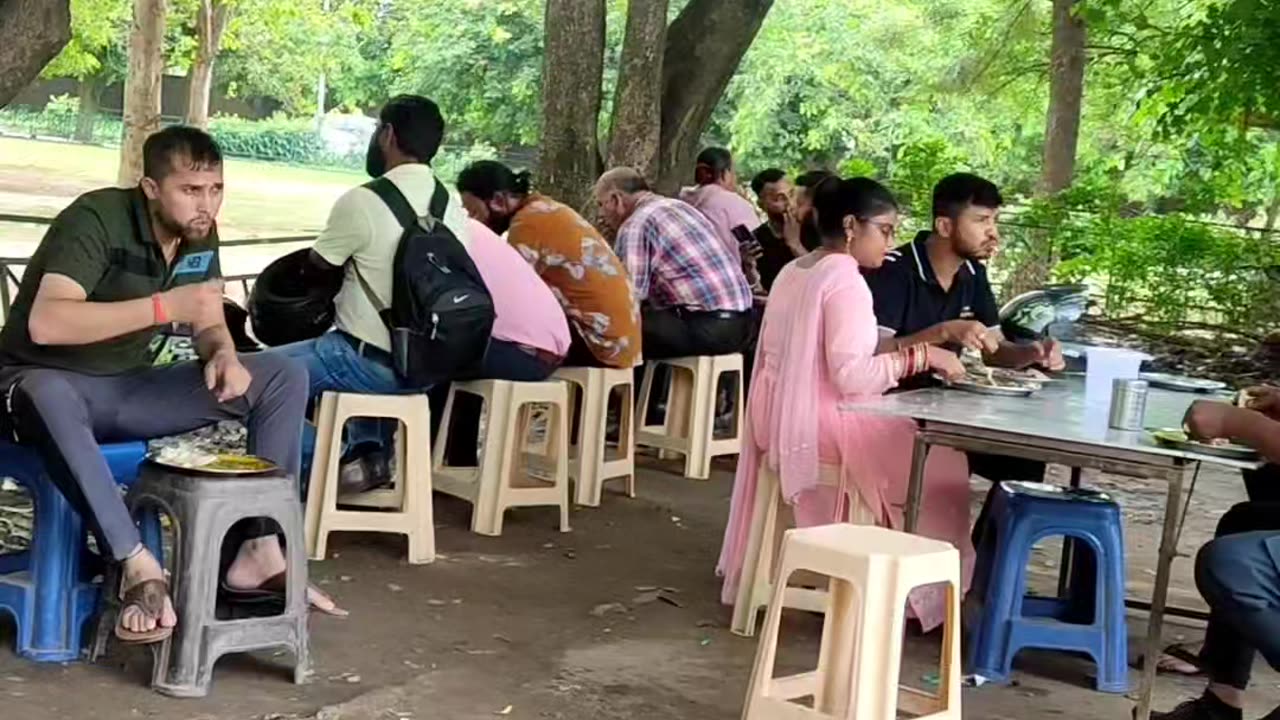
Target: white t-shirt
point(362, 229)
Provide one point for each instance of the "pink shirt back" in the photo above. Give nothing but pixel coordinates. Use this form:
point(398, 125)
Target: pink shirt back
point(527, 312)
point(726, 210)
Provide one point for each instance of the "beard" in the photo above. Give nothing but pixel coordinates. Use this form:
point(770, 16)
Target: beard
point(498, 223)
point(375, 161)
point(981, 253)
point(196, 230)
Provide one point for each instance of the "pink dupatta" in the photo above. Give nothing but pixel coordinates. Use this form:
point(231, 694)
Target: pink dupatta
point(817, 364)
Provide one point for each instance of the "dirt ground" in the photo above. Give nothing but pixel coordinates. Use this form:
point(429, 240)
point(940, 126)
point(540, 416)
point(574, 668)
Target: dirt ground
point(504, 627)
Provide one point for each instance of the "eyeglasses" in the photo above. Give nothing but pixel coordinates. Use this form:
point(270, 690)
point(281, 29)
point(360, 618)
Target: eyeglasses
point(888, 230)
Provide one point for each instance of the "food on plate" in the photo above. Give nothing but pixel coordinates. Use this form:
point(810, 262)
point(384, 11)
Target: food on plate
point(1172, 436)
point(194, 459)
point(239, 463)
point(184, 456)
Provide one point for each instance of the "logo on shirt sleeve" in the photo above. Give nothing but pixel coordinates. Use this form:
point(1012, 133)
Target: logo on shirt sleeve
point(195, 263)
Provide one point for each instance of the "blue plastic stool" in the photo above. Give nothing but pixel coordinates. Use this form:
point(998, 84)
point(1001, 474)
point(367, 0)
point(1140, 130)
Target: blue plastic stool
point(48, 588)
point(1090, 619)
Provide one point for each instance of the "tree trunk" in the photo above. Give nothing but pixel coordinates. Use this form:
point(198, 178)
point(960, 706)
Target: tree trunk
point(1066, 91)
point(636, 131)
point(142, 86)
point(32, 32)
point(1273, 212)
point(572, 72)
point(211, 20)
point(88, 113)
point(704, 46)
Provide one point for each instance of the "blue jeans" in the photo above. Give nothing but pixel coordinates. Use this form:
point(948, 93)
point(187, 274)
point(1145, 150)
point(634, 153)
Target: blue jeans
point(333, 364)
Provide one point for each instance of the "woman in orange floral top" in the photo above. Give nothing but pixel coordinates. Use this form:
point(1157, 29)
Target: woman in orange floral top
point(571, 257)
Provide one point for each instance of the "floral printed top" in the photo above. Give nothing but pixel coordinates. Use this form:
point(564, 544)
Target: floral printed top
point(584, 274)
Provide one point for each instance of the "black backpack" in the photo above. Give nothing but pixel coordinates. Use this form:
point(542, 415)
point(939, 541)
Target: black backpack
point(441, 314)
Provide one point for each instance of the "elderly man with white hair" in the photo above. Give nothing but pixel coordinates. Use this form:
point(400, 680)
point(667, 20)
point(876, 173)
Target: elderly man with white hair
point(695, 297)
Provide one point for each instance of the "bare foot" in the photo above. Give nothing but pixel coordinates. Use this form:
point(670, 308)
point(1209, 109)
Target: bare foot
point(261, 559)
point(138, 569)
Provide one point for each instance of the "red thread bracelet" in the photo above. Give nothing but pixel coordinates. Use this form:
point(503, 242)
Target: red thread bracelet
point(159, 316)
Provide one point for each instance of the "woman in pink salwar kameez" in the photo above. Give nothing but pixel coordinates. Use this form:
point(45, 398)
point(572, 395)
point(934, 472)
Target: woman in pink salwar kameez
point(816, 352)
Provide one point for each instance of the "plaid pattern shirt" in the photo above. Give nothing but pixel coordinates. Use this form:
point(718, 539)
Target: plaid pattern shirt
point(676, 259)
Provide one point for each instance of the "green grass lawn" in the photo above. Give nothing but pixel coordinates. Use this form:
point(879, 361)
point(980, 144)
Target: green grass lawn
point(262, 199)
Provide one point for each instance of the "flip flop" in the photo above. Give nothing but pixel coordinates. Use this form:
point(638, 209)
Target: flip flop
point(1178, 653)
point(148, 596)
point(272, 590)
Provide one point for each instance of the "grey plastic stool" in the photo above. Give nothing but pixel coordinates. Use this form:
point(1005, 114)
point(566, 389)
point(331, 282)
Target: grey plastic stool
point(203, 508)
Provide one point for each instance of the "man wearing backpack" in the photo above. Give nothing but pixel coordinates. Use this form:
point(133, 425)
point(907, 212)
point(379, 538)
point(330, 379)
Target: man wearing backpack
point(414, 311)
point(362, 237)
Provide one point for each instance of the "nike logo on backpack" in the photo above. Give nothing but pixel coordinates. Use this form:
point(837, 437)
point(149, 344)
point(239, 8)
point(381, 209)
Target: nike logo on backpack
point(459, 298)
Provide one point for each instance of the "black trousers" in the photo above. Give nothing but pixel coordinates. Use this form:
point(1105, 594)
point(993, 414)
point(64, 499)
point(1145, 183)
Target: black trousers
point(676, 332)
point(1238, 573)
point(998, 469)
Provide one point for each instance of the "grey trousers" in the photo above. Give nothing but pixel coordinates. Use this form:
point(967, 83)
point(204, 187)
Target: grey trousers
point(66, 414)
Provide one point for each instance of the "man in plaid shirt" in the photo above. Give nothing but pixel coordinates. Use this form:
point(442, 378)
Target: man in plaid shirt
point(695, 297)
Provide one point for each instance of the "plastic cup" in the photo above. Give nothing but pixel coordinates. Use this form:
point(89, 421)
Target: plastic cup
point(1104, 367)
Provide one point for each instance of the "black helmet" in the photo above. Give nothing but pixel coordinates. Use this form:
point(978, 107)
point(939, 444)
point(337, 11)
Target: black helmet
point(292, 300)
point(237, 323)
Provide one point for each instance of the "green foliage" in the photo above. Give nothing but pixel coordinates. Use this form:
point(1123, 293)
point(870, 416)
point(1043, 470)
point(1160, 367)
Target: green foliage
point(279, 138)
point(481, 60)
point(1172, 269)
point(1219, 65)
point(59, 122)
point(99, 37)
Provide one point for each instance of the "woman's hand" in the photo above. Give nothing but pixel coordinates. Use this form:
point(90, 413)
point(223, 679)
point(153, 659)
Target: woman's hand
point(945, 363)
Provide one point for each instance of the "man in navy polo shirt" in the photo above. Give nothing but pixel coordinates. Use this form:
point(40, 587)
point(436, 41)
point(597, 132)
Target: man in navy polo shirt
point(935, 290)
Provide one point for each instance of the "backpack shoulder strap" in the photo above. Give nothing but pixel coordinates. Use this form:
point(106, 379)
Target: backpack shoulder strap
point(439, 201)
point(395, 201)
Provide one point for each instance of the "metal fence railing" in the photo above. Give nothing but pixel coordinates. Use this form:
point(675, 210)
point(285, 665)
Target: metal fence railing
point(9, 279)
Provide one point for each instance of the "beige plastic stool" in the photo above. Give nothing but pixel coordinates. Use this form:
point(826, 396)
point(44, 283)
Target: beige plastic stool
point(755, 584)
point(871, 570)
point(689, 425)
point(405, 508)
point(590, 465)
point(504, 478)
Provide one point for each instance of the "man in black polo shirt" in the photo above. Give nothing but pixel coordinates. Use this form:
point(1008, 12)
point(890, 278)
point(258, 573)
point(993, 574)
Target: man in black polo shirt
point(935, 290)
point(76, 352)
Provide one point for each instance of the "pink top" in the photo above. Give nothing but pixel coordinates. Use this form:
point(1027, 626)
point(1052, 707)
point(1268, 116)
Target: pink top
point(527, 312)
point(817, 348)
point(725, 209)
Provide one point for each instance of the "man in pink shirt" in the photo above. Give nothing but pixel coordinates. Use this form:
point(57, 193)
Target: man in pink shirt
point(530, 332)
point(530, 335)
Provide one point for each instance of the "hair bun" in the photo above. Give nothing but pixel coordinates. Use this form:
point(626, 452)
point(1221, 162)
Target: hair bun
point(522, 182)
point(704, 174)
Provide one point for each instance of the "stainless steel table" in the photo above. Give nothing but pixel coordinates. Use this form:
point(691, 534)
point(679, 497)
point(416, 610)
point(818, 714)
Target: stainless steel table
point(1056, 425)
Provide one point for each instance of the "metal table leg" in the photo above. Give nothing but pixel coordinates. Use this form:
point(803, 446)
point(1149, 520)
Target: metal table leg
point(915, 486)
point(1068, 548)
point(1159, 594)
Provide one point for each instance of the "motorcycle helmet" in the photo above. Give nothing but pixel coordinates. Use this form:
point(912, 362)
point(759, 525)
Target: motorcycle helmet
point(1049, 311)
point(292, 300)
